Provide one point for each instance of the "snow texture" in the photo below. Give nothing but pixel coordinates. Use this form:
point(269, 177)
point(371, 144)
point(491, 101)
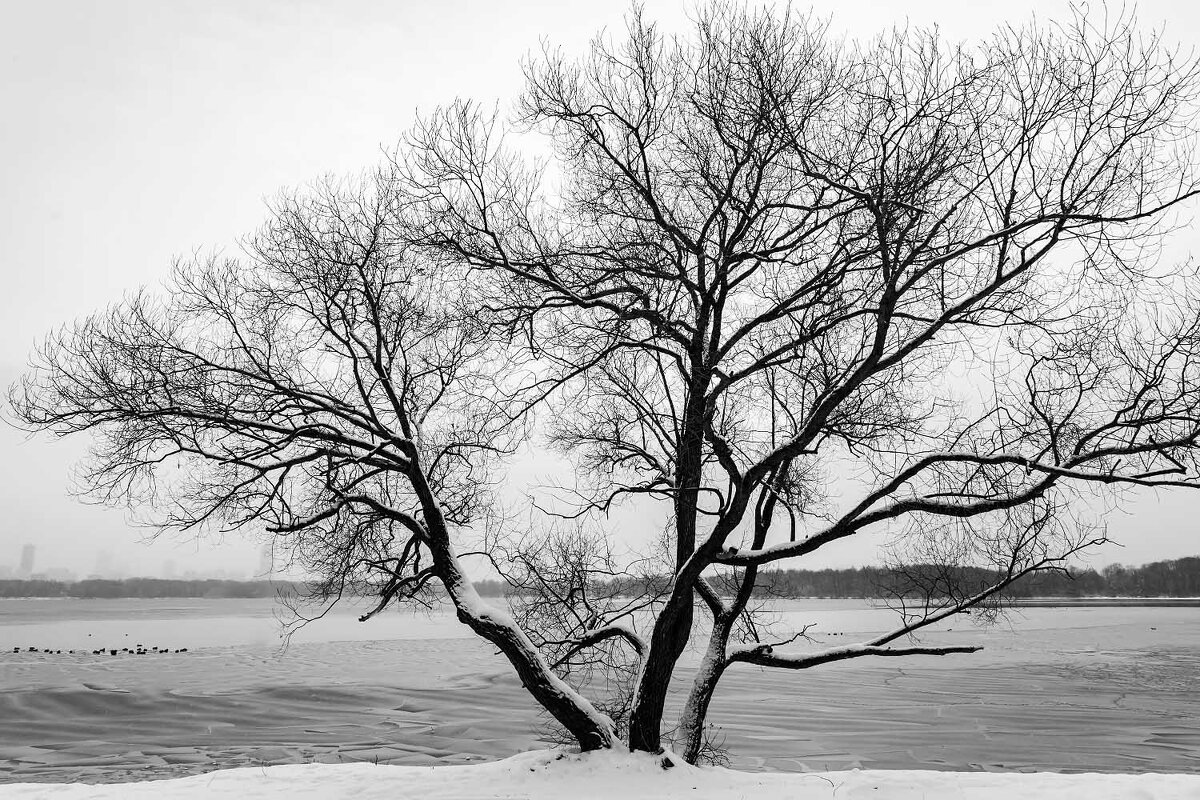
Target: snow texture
point(545, 775)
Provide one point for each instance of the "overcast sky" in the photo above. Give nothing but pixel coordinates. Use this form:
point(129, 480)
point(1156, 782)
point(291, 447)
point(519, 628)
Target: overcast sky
point(135, 131)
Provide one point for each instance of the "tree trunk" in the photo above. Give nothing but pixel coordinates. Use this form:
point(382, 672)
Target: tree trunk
point(673, 628)
point(712, 666)
point(670, 636)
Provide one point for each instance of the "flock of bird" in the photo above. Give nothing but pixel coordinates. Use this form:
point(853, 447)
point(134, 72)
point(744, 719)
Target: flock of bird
point(139, 650)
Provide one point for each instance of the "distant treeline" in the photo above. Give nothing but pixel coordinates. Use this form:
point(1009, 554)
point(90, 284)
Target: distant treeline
point(1176, 578)
point(140, 587)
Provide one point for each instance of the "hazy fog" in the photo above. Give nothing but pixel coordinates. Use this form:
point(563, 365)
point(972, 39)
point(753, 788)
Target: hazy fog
point(136, 131)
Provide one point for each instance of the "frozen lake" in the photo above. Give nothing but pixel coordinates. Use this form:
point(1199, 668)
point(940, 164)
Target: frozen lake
point(1090, 689)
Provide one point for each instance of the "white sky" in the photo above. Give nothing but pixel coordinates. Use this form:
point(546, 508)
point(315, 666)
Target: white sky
point(136, 130)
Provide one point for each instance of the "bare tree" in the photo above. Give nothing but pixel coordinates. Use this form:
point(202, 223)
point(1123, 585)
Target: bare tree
point(760, 264)
point(330, 385)
point(761, 261)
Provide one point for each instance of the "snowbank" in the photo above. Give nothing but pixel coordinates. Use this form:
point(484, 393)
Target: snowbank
point(557, 776)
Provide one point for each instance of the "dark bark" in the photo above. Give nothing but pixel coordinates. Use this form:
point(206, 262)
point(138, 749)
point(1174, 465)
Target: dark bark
point(673, 628)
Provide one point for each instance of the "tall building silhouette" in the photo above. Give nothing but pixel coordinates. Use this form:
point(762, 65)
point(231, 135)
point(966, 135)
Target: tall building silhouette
point(26, 567)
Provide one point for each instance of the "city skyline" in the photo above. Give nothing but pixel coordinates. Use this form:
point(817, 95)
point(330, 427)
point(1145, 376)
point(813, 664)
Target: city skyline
point(28, 567)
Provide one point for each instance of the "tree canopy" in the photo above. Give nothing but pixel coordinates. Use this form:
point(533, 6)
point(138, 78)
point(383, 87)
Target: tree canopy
point(792, 288)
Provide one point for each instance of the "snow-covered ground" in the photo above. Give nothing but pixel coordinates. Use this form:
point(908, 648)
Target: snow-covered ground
point(559, 776)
